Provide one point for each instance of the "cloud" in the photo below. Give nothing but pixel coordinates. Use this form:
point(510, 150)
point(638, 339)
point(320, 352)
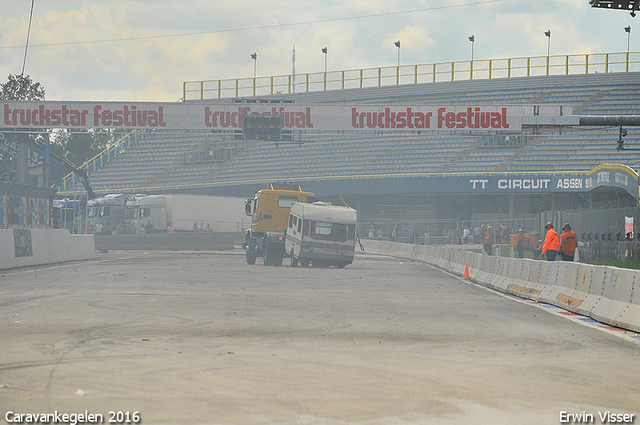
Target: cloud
point(144, 50)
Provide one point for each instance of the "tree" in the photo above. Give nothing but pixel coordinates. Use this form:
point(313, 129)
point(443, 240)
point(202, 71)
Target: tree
point(17, 87)
point(78, 146)
point(20, 87)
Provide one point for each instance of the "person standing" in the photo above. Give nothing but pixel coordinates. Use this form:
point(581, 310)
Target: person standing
point(458, 235)
point(551, 243)
point(477, 234)
point(568, 242)
point(488, 240)
point(148, 228)
point(519, 240)
point(410, 235)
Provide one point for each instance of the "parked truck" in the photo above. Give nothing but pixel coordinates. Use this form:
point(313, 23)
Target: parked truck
point(128, 213)
point(321, 234)
point(110, 211)
point(269, 210)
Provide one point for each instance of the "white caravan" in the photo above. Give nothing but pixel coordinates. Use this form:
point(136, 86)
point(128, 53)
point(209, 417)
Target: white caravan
point(321, 234)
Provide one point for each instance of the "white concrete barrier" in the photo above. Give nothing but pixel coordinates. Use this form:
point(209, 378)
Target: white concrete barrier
point(608, 294)
point(30, 247)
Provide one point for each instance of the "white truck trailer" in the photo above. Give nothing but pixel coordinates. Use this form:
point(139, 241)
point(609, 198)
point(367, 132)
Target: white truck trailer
point(187, 213)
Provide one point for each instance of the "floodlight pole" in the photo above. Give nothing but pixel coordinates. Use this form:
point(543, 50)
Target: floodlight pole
point(324, 50)
point(548, 34)
point(472, 39)
point(397, 44)
point(628, 31)
point(254, 56)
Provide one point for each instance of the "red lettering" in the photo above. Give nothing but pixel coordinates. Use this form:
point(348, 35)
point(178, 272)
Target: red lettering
point(441, 112)
point(401, 120)
point(308, 122)
point(7, 115)
point(409, 118)
point(354, 118)
point(96, 115)
point(106, 118)
point(504, 118)
point(450, 120)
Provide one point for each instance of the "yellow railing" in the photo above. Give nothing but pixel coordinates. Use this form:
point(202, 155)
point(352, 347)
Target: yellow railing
point(414, 74)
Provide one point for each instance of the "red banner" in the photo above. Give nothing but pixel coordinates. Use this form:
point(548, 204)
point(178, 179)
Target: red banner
point(200, 116)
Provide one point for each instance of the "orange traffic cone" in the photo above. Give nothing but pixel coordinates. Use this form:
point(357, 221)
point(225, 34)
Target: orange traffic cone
point(466, 272)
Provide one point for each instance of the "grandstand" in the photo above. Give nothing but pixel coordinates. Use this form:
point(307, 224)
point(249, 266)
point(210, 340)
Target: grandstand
point(368, 164)
point(165, 159)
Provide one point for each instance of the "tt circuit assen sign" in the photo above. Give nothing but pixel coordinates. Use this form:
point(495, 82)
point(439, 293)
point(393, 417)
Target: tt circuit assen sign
point(202, 116)
point(617, 176)
point(605, 176)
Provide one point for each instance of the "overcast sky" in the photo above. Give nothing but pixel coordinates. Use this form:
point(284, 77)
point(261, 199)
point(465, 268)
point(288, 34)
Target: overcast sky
point(144, 50)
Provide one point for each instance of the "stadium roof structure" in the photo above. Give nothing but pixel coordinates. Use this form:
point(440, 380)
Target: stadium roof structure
point(629, 5)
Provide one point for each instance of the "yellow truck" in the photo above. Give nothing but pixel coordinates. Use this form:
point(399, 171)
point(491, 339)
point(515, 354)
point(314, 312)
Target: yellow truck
point(269, 210)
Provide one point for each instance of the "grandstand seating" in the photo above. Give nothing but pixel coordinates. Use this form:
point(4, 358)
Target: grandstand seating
point(161, 159)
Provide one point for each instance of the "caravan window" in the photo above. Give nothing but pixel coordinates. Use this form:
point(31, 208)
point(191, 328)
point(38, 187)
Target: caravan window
point(329, 231)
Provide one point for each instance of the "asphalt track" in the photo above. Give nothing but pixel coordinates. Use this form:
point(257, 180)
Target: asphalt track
point(203, 338)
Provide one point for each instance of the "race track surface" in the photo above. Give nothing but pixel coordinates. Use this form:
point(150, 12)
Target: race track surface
point(204, 338)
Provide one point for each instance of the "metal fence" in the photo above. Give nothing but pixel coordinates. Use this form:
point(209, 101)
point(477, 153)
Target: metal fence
point(442, 231)
point(601, 232)
point(593, 225)
point(413, 74)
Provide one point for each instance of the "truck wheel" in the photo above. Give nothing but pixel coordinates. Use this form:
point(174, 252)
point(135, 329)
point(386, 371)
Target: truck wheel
point(266, 255)
point(251, 257)
point(276, 259)
point(304, 263)
point(294, 260)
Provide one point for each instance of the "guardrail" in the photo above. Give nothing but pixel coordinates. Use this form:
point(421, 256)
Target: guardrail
point(589, 63)
point(604, 293)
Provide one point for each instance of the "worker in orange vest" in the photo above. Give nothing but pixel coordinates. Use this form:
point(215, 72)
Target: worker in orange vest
point(551, 243)
point(568, 241)
point(488, 240)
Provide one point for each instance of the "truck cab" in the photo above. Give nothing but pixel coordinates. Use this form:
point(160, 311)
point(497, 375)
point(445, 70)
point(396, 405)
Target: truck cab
point(109, 210)
point(269, 211)
point(149, 209)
